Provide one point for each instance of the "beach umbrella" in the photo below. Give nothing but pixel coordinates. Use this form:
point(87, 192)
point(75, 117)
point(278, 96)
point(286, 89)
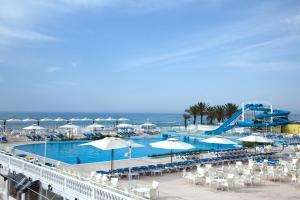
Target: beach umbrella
point(59, 119)
point(86, 119)
point(172, 144)
point(99, 119)
point(123, 119)
point(29, 120)
point(14, 120)
point(147, 125)
point(46, 119)
point(69, 127)
point(74, 119)
point(95, 126)
point(255, 139)
point(33, 127)
point(218, 140)
point(110, 143)
point(123, 125)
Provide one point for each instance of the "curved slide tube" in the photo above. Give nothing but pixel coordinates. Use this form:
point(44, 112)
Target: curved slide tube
point(230, 123)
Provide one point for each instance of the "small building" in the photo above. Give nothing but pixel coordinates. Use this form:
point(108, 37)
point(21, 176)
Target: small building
point(291, 128)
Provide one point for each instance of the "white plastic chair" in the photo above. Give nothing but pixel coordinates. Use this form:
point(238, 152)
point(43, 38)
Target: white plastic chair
point(114, 182)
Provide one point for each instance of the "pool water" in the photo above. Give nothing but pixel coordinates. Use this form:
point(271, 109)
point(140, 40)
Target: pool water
point(70, 151)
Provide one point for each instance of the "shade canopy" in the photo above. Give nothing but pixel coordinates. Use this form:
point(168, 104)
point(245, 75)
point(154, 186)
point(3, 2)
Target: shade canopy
point(95, 126)
point(46, 119)
point(86, 119)
point(99, 119)
point(108, 143)
point(171, 144)
point(29, 120)
point(123, 125)
point(255, 139)
point(59, 119)
point(123, 119)
point(69, 126)
point(34, 127)
point(13, 120)
point(218, 140)
point(75, 119)
point(148, 124)
point(110, 119)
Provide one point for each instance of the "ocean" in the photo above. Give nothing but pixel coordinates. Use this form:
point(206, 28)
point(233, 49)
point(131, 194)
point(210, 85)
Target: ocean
point(160, 119)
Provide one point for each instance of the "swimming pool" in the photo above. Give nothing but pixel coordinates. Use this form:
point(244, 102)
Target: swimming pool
point(68, 151)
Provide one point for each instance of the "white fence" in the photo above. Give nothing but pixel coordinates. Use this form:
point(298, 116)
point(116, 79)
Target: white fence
point(62, 184)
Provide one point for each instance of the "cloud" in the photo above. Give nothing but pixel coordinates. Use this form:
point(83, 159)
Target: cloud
point(53, 69)
point(10, 33)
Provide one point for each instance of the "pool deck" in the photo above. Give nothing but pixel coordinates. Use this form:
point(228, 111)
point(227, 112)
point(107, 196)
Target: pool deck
point(173, 187)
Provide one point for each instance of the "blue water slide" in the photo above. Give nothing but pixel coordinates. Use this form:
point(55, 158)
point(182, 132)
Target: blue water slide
point(277, 115)
point(226, 125)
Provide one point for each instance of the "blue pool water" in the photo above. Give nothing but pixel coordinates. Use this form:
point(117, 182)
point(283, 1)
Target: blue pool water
point(68, 151)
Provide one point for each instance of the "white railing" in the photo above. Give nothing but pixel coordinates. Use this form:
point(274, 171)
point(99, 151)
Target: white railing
point(63, 184)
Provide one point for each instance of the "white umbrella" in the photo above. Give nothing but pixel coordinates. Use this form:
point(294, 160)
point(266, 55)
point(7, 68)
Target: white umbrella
point(123, 119)
point(59, 119)
point(29, 120)
point(110, 143)
point(99, 119)
point(172, 143)
point(69, 127)
point(123, 125)
point(75, 119)
point(255, 139)
point(110, 119)
point(13, 120)
point(147, 125)
point(86, 119)
point(95, 126)
point(34, 127)
point(46, 119)
point(218, 140)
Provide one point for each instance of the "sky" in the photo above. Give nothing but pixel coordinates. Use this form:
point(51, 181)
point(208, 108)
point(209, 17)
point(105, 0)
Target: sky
point(147, 55)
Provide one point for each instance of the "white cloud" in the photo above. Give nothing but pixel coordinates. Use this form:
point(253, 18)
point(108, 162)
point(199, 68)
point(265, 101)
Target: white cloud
point(53, 69)
point(10, 33)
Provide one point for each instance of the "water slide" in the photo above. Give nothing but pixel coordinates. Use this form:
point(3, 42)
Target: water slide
point(279, 118)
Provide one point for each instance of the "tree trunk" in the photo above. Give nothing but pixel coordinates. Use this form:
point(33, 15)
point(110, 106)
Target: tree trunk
point(185, 123)
point(195, 119)
point(201, 119)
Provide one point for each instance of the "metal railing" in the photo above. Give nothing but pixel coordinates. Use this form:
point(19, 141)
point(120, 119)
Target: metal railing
point(64, 184)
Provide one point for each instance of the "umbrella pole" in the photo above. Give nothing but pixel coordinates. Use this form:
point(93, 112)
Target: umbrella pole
point(171, 156)
point(112, 161)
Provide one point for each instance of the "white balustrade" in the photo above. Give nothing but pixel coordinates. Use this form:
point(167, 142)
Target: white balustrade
point(67, 185)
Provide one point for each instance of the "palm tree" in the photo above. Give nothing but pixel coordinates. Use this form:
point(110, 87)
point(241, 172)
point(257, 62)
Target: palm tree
point(211, 114)
point(230, 109)
point(193, 111)
point(202, 110)
point(220, 113)
point(186, 117)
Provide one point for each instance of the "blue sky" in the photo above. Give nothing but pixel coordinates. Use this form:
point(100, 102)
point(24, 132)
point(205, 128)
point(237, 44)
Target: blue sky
point(147, 56)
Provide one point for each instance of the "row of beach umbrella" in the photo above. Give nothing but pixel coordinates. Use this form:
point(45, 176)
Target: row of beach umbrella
point(59, 119)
